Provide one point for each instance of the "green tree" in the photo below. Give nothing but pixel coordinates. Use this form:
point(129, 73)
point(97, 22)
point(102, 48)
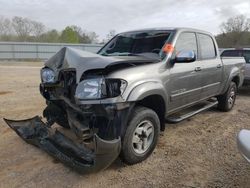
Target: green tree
point(84, 36)
point(69, 35)
point(50, 36)
point(25, 29)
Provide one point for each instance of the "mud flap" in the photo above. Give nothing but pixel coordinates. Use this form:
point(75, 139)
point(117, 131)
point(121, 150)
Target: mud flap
point(34, 131)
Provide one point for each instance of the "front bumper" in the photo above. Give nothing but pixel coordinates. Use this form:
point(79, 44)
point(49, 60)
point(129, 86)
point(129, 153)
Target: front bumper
point(34, 131)
point(99, 128)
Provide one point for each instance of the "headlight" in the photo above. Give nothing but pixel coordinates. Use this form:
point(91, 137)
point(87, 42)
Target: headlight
point(100, 88)
point(47, 75)
point(90, 89)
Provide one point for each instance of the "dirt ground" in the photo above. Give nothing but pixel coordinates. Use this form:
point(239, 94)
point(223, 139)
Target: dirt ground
point(199, 152)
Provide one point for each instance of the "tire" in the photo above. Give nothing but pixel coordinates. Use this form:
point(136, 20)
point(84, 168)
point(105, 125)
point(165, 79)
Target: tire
point(227, 100)
point(146, 122)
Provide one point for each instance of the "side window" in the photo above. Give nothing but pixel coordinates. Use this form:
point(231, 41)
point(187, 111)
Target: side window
point(231, 53)
point(186, 41)
point(246, 54)
point(207, 46)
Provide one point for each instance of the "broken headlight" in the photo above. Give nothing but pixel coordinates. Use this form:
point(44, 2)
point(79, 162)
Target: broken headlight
point(98, 88)
point(90, 89)
point(47, 75)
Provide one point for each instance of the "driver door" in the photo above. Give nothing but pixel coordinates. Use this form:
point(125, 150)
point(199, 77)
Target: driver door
point(185, 84)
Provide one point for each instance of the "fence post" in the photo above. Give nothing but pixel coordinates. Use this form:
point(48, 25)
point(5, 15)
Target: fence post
point(37, 57)
point(13, 50)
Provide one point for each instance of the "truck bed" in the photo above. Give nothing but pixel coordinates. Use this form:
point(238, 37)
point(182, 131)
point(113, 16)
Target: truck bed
point(231, 63)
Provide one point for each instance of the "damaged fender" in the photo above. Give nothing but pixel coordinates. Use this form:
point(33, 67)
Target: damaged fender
point(34, 131)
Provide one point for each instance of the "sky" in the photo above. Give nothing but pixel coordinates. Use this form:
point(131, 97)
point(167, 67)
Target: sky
point(101, 16)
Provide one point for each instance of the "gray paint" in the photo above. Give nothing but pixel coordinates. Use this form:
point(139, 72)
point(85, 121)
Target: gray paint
point(81, 61)
point(247, 69)
point(247, 73)
point(243, 142)
point(178, 84)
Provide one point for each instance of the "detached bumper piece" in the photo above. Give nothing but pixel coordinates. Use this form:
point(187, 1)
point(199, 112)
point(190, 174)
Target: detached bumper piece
point(34, 131)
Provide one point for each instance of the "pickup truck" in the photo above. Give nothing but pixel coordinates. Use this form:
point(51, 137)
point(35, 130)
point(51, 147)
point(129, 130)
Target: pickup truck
point(239, 52)
point(118, 100)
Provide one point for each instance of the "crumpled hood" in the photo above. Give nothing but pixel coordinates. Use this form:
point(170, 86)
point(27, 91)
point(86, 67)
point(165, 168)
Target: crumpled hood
point(82, 61)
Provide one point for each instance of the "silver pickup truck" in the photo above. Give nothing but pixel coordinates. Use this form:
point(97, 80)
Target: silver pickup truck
point(118, 100)
point(239, 52)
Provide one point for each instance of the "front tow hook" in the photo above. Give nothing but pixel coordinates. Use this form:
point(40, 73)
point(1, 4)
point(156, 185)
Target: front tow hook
point(84, 160)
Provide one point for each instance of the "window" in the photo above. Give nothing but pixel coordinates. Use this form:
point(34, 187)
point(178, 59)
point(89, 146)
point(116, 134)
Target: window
point(186, 41)
point(207, 47)
point(136, 43)
point(231, 53)
point(246, 55)
point(237, 53)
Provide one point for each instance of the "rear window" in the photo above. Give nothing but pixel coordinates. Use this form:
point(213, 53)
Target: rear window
point(237, 53)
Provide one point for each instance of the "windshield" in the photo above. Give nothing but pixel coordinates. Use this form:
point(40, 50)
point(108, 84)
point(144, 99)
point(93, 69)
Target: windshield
point(136, 43)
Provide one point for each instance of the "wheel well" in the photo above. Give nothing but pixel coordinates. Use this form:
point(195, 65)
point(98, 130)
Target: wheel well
point(156, 103)
point(236, 80)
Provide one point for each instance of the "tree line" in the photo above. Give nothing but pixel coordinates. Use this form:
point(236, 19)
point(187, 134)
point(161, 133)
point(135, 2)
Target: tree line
point(235, 32)
point(26, 30)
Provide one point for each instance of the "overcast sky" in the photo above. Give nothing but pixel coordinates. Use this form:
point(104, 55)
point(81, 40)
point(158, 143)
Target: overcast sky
point(101, 16)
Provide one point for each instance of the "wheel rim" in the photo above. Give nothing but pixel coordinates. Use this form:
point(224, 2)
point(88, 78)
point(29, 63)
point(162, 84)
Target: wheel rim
point(231, 98)
point(143, 137)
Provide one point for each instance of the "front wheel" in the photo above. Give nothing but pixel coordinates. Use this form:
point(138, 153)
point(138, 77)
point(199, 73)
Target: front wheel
point(141, 136)
point(227, 100)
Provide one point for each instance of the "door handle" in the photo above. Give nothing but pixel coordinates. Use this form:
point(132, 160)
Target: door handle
point(197, 69)
point(219, 66)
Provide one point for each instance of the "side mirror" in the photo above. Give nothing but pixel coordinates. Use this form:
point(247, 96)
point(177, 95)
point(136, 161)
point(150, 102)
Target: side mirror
point(185, 56)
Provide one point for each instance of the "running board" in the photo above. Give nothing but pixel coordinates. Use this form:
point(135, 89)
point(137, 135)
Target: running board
point(190, 114)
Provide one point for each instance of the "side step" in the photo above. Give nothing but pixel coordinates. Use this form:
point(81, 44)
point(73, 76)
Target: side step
point(177, 119)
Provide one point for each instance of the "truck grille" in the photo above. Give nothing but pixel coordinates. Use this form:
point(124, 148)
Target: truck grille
point(68, 81)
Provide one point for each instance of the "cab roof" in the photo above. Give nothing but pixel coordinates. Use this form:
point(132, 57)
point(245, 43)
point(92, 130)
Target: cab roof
point(175, 29)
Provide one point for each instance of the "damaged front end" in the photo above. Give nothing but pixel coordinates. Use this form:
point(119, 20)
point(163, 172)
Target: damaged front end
point(34, 131)
point(95, 144)
point(98, 126)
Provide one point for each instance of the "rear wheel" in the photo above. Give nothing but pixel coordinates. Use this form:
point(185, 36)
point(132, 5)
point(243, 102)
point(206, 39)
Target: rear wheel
point(141, 136)
point(227, 100)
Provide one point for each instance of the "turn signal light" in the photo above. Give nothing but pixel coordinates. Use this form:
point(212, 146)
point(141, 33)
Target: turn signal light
point(168, 48)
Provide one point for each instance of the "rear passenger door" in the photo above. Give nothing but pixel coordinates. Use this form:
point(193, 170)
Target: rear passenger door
point(210, 65)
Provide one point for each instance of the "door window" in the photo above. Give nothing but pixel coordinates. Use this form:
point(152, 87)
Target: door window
point(246, 55)
point(207, 46)
point(187, 42)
